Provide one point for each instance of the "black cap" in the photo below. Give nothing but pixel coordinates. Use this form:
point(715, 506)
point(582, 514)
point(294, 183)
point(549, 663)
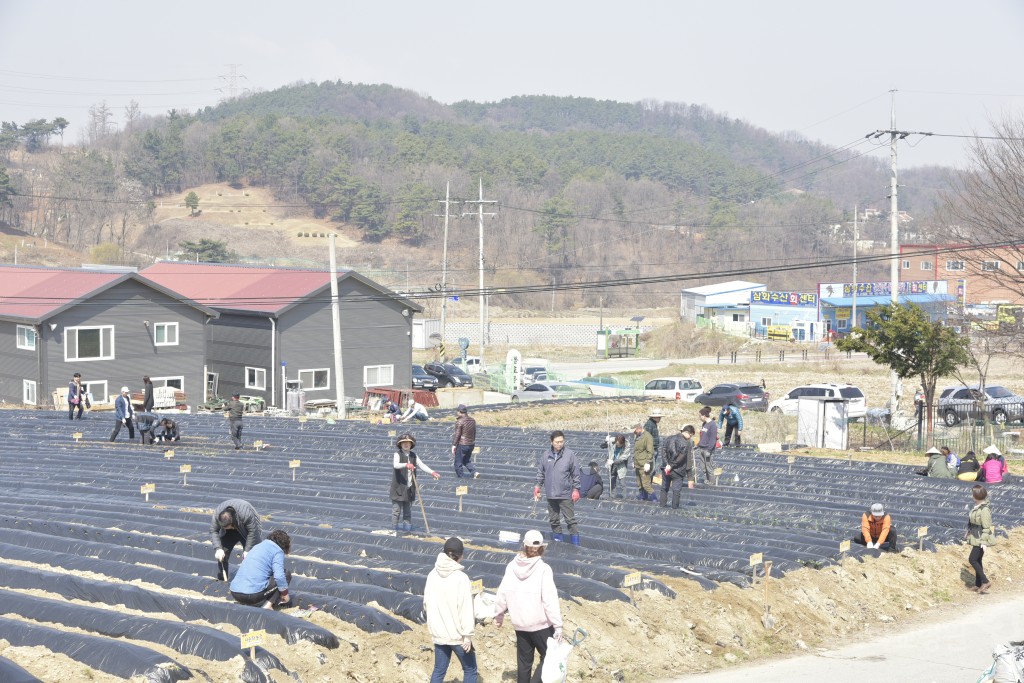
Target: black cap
point(454, 545)
point(235, 395)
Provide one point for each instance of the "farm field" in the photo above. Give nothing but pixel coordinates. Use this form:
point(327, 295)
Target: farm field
point(85, 556)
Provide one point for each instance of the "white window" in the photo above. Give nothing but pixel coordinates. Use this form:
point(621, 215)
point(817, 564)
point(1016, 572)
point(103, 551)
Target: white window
point(842, 323)
point(97, 391)
point(766, 322)
point(955, 265)
point(990, 265)
point(89, 343)
point(1020, 265)
point(315, 379)
point(255, 378)
point(926, 265)
point(738, 317)
point(176, 382)
point(165, 334)
point(906, 265)
point(26, 338)
point(28, 392)
point(378, 375)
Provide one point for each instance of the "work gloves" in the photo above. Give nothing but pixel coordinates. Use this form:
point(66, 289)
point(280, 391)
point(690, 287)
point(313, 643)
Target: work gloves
point(536, 493)
point(220, 554)
point(647, 467)
point(575, 496)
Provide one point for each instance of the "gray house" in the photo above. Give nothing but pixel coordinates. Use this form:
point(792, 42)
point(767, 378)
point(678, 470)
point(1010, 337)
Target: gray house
point(275, 325)
point(112, 327)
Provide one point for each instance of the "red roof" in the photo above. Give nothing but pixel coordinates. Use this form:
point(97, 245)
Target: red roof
point(246, 288)
point(37, 293)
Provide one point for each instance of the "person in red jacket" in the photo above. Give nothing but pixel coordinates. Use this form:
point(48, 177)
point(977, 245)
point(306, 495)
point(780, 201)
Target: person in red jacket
point(876, 530)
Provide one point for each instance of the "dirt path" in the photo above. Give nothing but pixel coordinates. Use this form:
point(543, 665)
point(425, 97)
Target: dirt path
point(956, 648)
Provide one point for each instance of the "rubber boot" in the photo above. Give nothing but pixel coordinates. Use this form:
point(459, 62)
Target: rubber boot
point(558, 537)
point(408, 526)
point(574, 539)
point(653, 497)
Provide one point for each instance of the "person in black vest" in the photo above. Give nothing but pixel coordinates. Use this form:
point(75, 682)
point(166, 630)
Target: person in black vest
point(403, 485)
point(591, 484)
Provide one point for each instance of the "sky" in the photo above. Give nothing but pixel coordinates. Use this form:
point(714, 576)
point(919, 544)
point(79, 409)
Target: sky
point(822, 69)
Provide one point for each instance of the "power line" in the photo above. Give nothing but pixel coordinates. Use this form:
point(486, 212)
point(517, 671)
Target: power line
point(54, 77)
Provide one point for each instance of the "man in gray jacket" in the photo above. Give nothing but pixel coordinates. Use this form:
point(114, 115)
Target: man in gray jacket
point(558, 474)
point(235, 522)
point(235, 410)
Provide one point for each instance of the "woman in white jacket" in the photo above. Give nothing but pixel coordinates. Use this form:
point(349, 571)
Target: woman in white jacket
point(448, 602)
point(527, 592)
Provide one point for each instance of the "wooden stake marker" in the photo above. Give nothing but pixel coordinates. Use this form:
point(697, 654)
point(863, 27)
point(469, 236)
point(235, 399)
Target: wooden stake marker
point(184, 470)
point(392, 433)
point(77, 436)
point(844, 547)
point(922, 532)
point(791, 459)
point(718, 473)
point(294, 465)
point(251, 640)
point(461, 491)
point(476, 587)
point(258, 444)
point(147, 489)
point(169, 454)
point(631, 581)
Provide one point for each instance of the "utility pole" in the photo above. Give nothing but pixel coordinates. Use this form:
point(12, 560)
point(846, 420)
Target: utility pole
point(480, 215)
point(339, 373)
point(444, 263)
point(894, 243)
point(232, 78)
point(853, 309)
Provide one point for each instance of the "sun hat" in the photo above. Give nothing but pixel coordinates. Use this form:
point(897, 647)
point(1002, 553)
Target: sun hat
point(533, 539)
point(933, 451)
point(656, 412)
point(992, 450)
point(878, 510)
point(406, 437)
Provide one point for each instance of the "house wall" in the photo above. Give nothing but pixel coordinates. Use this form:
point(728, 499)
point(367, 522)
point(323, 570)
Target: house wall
point(235, 342)
point(982, 287)
point(17, 365)
point(373, 331)
point(125, 306)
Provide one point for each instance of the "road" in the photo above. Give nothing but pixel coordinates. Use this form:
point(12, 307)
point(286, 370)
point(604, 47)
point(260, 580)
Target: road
point(612, 365)
point(956, 650)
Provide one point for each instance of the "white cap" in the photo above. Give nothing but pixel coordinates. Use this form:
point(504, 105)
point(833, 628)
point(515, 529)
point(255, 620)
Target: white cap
point(124, 390)
point(533, 539)
point(992, 450)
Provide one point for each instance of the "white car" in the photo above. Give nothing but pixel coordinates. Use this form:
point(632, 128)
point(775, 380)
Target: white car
point(787, 404)
point(674, 388)
point(549, 391)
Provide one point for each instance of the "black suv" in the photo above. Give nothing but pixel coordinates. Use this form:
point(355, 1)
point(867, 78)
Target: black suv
point(422, 380)
point(449, 375)
point(746, 396)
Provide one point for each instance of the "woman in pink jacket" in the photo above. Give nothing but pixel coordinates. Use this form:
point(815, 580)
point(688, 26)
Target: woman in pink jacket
point(993, 469)
point(528, 593)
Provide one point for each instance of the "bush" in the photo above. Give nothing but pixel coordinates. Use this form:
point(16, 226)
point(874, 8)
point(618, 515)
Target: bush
point(298, 234)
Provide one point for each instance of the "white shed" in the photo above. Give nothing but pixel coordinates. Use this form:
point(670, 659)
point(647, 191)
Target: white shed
point(732, 295)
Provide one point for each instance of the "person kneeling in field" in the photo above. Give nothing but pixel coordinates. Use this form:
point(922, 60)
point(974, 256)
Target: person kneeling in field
point(261, 579)
point(876, 530)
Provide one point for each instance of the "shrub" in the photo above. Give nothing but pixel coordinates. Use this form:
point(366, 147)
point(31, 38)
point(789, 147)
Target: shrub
point(298, 234)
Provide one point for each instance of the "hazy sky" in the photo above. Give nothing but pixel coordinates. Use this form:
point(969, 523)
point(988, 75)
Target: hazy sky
point(818, 67)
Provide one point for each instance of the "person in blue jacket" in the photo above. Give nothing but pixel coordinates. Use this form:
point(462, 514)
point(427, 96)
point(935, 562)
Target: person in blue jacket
point(732, 419)
point(124, 414)
point(261, 579)
point(591, 484)
point(558, 477)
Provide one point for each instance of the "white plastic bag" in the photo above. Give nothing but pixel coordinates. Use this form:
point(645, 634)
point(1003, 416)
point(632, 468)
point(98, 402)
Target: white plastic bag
point(485, 606)
point(556, 661)
point(1008, 665)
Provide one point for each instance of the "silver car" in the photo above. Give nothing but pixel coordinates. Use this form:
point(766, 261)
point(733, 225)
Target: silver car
point(965, 403)
point(548, 391)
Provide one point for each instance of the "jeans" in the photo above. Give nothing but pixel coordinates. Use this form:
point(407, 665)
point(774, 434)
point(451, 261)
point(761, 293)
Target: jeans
point(527, 642)
point(464, 459)
point(618, 477)
point(443, 657)
point(977, 553)
point(704, 460)
point(558, 508)
point(730, 430)
point(117, 429)
point(236, 432)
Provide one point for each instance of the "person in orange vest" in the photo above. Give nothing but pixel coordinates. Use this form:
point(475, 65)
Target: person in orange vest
point(876, 530)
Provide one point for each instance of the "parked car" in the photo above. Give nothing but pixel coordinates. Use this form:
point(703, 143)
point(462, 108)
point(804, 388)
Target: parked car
point(856, 409)
point(421, 379)
point(746, 396)
point(965, 403)
point(600, 385)
point(472, 364)
point(674, 388)
point(448, 375)
point(548, 391)
point(530, 373)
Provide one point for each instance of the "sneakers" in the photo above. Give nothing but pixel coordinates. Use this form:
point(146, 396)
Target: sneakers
point(984, 587)
point(476, 475)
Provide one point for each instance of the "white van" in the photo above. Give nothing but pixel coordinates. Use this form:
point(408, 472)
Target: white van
point(674, 388)
point(472, 364)
point(787, 405)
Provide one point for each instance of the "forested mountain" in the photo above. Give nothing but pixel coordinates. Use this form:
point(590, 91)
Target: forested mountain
point(585, 189)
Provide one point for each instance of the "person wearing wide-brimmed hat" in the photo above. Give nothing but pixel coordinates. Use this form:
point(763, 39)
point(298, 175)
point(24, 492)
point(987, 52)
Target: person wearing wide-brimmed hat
point(403, 485)
point(994, 467)
point(937, 466)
